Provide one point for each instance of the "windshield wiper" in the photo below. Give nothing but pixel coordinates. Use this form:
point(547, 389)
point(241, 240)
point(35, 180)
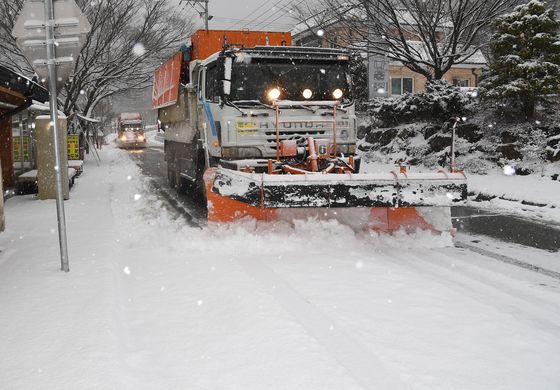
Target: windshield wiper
point(232, 104)
point(252, 103)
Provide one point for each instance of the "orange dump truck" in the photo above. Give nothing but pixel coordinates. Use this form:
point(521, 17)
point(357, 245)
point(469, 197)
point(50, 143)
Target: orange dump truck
point(266, 130)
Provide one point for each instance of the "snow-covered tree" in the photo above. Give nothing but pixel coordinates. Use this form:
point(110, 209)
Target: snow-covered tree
point(128, 39)
point(526, 59)
point(359, 69)
point(426, 36)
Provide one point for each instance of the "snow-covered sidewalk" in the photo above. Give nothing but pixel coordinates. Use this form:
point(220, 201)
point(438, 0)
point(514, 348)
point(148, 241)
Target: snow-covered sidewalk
point(151, 303)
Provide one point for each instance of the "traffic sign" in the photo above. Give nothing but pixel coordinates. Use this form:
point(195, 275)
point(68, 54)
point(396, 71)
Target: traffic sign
point(70, 30)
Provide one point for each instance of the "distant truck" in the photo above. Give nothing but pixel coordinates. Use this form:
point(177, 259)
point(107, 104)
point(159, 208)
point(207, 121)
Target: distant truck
point(130, 130)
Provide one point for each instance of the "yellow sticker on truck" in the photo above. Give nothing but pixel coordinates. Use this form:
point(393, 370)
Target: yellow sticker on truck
point(246, 127)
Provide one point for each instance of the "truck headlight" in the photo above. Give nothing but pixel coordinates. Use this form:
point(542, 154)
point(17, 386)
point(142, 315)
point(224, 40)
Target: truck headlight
point(337, 93)
point(307, 93)
point(274, 94)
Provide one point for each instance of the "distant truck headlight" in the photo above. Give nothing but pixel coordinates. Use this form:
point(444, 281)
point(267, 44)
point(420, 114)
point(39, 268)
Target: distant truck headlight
point(123, 138)
point(337, 93)
point(140, 137)
point(274, 94)
point(307, 93)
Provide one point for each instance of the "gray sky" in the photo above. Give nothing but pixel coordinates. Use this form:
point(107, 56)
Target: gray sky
point(253, 14)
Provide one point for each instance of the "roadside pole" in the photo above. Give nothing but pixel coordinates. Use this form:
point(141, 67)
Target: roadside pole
point(51, 64)
point(51, 45)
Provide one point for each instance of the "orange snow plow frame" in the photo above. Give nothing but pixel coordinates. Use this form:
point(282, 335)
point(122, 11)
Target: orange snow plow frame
point(325, 186)
point(425, 216)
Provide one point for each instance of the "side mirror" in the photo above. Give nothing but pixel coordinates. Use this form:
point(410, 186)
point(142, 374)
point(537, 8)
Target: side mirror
point(226, 82)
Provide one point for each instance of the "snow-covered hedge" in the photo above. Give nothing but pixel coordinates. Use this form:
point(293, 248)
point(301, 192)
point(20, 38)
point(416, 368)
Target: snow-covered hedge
point(440, 101)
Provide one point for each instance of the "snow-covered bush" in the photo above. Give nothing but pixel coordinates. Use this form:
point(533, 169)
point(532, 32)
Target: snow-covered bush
point(439, 102)
point(359, 71)
point(526, 67)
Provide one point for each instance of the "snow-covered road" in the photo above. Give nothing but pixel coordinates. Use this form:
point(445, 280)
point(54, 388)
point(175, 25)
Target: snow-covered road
point(151, 303)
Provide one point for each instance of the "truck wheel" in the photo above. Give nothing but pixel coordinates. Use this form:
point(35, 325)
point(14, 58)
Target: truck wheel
point(181, 184)
point(199, 190)
point(171, 175)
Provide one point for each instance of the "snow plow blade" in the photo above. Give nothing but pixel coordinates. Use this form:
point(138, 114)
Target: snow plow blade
point(376, 201)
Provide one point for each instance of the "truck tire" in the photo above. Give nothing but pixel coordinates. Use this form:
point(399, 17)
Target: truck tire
point(181, 184)
point(170, 158)
point(170, 175)
point(198, 189)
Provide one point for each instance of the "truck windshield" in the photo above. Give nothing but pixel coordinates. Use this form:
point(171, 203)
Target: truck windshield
point(253, 81)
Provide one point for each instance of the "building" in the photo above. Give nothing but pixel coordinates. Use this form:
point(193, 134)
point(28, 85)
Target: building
point(401, 79)
point(17, 94)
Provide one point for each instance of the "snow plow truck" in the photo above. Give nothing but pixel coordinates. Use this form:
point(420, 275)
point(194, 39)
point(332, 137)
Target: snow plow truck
point(130, 130)
point(267, 130)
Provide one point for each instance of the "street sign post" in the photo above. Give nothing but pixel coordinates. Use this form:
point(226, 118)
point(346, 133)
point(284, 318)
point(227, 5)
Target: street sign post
point(70, 31)
point(51, 34)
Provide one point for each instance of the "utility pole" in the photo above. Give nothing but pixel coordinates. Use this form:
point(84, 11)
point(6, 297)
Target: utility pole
point(204, 13)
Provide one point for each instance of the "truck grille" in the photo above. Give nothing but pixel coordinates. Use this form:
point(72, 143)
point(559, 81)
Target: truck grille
point(300, 134)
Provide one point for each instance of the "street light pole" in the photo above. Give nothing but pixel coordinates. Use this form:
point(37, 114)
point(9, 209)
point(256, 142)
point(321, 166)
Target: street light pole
point(51, 65)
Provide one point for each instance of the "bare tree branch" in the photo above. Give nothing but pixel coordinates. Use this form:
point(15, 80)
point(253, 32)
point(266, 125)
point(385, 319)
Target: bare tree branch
point(128, 40)
point(426, 36)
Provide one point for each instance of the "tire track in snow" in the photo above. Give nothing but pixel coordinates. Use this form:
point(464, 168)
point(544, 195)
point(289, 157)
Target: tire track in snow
point(362, 364)
point(509, 260)
point(485, 290)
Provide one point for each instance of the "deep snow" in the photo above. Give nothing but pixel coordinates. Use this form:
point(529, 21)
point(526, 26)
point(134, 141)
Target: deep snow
point(151, 303)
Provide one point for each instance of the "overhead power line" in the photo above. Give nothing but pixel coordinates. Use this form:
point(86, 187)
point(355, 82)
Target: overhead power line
point(262, 14)
point(282, 12)
point(264, 3)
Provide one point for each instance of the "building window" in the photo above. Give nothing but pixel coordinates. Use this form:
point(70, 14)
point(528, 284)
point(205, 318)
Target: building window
point(402, 85)
point(461, 82)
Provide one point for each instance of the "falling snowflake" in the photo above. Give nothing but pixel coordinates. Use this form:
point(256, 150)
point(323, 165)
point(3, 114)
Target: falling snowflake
point(138, 49)
point(137, 196)
point(126, 270)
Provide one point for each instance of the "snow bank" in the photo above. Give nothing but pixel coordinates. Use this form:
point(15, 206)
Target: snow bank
point(531, 195)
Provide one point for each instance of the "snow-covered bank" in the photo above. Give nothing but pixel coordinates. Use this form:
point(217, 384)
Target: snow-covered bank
point(151, 303)
point(532, 196)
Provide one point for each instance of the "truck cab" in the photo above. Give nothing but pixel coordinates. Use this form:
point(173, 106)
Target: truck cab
point(226, 110)
point(238, 88)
